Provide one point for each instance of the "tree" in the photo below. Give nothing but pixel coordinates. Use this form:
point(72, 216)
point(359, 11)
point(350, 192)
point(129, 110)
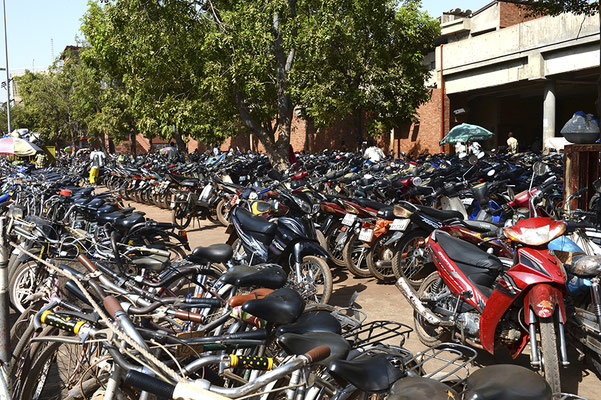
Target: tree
point(582, 7)
point(203, 66)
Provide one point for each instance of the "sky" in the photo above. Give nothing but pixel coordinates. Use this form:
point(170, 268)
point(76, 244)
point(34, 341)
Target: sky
point(32, 24)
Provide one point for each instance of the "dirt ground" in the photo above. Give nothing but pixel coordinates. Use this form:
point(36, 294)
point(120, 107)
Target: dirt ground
point(385, 302)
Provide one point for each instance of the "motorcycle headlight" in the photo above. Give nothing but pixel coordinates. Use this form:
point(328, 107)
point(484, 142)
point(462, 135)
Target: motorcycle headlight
point(535, 236)
point(304, 206)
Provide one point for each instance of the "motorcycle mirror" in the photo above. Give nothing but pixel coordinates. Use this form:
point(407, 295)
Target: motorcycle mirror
point(597, 185)
point(491, 172)
point(472, 160)
point(511, 193)
point(539, 168)
point(275, 175)
point(417, 181)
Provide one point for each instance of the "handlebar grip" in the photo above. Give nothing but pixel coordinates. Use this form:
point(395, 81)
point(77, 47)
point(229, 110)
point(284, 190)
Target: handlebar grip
point(62, 322)
point(112, 305)
point(149, 384)
point(318, 354)
point(85, 261)
point(251, 362)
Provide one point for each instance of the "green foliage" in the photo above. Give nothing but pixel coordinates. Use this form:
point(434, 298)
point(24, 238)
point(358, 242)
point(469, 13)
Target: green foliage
point(556, 7)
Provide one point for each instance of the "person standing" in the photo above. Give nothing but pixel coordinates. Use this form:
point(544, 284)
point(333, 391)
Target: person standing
point(97, 157)
point(512, 143)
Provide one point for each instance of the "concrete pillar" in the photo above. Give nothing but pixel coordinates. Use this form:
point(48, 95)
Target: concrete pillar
point(549, 111)
point(391, 141)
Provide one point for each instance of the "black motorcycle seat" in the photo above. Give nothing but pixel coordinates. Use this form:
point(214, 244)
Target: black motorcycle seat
point(254, 223)
point(283, 306)
point(506, 382)
point(107, 208)
point(82, 201)
point(386, 213)
point(314, 321)
point(481, 226)
point(95, 204)
point(370, 374)
point(464, 252)
point(189, 182)
point(267, 275)
point(217, 253)
point(376, 205)
point(295, 344)
point(129, 221)
point(412, 388)
point(440, 215)
point(80, 192)
point(109, 218)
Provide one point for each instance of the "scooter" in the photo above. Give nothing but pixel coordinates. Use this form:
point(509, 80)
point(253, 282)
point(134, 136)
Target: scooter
point(475, 299)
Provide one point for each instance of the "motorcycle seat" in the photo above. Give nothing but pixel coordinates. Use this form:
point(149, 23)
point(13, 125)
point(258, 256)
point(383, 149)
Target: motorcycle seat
point(386, 213)
point(586, 266)
point(107, 208)
point(129, 221)
point(417, 387)
point(254, 223)
point(82, 201)
point(505, 382)
point(481, 226)
point(440, 215)
point(153, 262)
point(295, 344)
point(467, 253)
point(315, 321)
point(81, 192)
point(109, 218)
point(376, 205)
point(283, 306)
point(217, 253)
point(189, 183)
point(369, 374)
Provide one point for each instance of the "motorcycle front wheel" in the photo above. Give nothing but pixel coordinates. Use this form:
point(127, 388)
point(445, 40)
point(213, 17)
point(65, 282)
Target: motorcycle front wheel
point(411, 260)
point(315, 282)
point(181, 215)
point(427, 333)
point(550, 355)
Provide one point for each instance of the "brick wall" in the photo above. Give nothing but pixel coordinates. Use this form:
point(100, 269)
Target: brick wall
point(513, 14)
point(416, 138)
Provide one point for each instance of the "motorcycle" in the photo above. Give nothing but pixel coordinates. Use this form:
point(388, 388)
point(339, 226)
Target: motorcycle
point(290, 241)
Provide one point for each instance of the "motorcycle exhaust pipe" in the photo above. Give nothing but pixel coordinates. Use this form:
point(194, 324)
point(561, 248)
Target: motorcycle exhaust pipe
point(417, 305)
point(384, 263)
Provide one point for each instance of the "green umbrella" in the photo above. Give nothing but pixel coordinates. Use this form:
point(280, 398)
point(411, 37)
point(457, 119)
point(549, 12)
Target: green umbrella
point(465, 133)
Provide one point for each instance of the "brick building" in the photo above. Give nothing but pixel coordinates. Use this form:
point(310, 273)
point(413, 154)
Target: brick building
point(498, 67)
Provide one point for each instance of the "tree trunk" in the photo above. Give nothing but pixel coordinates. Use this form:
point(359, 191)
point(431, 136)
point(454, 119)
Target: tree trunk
point(132, 137)
point(100, 139)
point(358, 125)
point(179, 141)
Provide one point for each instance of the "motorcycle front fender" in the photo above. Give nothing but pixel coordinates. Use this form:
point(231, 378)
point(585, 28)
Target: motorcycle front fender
point(306, 248)
point(496, 306)
point(544, 299)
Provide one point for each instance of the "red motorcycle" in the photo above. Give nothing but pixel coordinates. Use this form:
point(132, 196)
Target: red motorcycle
point(475, 298)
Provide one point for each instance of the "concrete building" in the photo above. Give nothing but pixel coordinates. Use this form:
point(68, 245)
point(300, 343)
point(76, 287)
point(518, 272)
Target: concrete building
point(527, 77)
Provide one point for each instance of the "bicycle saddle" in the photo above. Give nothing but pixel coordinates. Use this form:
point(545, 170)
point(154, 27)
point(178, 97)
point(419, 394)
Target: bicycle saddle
point(269, 275)
point(295, 344)
point(372, 374)
point(315, 321)
point(505, 382)
point(280, 307)
point(216, 253)
point(412, 388)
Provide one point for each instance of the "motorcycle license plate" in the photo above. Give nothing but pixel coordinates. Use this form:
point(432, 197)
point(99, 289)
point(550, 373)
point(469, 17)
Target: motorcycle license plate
point(399, 224)
point(349, 219)
point(366, 234)
point(467, 201)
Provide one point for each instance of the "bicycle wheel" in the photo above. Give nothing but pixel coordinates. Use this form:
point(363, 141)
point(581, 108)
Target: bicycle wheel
point(28, 279)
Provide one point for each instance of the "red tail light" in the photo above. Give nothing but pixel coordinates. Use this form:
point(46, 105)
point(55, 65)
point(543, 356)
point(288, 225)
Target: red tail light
point(183, 234)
